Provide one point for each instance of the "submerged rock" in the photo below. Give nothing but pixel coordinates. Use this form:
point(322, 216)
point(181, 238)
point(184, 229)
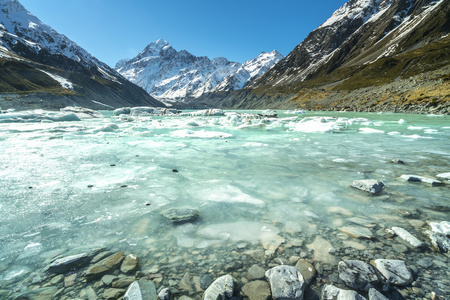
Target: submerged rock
point(369, 185)
point(221, 289)
point(376, 295)
point(357, 232)
point(65, 264)
point(417, 178)
point(129, 264)
point(256, 272)
point(397, 161)
point(322, 249)
point(286, 282)
point(308, 270)
point(106, 265)
point(394, 271)
point(180, 214)
point(38, 294)
point(330, 292)
point(358, 274)
point(407, 237)
point(257, 290)
point(141, 290)
point(113, 293)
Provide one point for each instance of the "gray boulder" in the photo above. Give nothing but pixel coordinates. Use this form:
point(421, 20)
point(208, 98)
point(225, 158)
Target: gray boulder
point(394, 271)
point(141, 290)
point(221, 289)
point(439, 236)
point(358, 274)
point(330, 292)
point(369, 185)
point(286, 282)
point(181, 214)
point(439, 241)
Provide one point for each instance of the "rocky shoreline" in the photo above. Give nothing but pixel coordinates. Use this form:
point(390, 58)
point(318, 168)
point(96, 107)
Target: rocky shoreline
point(363, 261)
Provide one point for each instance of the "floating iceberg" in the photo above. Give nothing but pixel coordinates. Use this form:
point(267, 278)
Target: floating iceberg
point(317, 124)
point(295, 112)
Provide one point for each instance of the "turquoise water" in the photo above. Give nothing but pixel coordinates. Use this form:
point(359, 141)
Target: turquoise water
point(69, 186)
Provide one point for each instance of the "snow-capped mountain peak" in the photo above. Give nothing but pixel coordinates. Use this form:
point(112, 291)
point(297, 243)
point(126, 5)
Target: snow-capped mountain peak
point(53, 56)
point(22, 26)
point(171, 75)
point(358, 9)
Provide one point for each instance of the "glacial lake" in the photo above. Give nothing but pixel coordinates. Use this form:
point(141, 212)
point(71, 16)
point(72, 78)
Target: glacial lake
point(275, 184)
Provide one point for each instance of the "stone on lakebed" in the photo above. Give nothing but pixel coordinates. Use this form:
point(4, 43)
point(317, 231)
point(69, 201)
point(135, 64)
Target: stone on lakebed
point(368, 185)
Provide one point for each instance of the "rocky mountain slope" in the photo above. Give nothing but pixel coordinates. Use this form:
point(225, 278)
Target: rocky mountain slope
point(172, 75)
point(41, 68)
point(364, 57)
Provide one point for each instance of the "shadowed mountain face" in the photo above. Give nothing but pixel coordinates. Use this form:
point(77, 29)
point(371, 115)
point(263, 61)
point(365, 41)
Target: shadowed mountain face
point(48, 70)
point(365, 57)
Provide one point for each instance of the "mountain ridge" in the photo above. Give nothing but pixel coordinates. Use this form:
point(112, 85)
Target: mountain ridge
point(173, 75)
point(35, 59)
point(354, 52)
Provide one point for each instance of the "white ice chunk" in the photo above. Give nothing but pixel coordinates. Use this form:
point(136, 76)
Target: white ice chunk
point(38, 115)
point(370, 130)
point(317, 124)
point(219, 192)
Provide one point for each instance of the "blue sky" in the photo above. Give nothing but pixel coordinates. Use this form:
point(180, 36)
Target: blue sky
point(238, 30)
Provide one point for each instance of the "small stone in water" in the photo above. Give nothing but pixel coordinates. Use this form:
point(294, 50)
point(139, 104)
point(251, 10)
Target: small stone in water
point(370, 186)
point(180, 215)
point(397, 161)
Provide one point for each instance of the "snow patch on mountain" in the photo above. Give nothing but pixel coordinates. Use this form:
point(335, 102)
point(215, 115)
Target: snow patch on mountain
point(369, 10)
point(167, 74)
point(17, 25)
point(62, 81)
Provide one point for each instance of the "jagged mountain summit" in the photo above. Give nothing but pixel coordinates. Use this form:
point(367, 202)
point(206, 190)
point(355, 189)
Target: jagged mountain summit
point(172, 75)
point(54, 71)
point(364, 57)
